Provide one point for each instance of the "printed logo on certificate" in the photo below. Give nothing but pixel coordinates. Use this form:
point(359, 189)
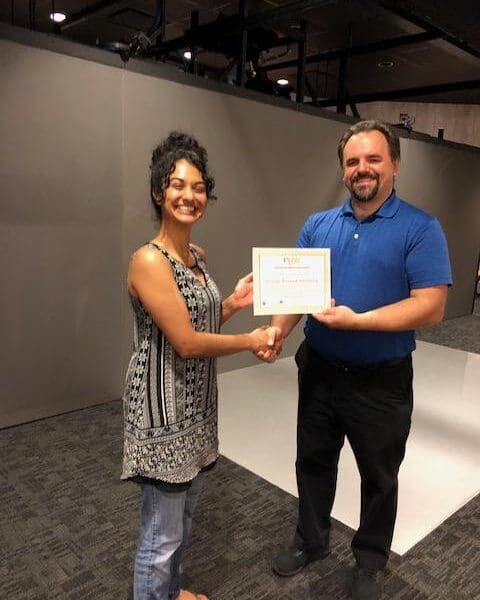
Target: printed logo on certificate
point(291, 281)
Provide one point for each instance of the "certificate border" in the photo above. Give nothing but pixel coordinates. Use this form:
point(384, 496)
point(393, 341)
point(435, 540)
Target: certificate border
point(257, 253)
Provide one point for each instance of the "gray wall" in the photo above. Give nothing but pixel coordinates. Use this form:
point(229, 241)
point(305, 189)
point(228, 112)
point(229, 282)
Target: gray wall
point(74, 191)
point(60, 233)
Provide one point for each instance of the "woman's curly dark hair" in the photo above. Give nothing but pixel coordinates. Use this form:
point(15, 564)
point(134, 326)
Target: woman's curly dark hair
point(164, 158)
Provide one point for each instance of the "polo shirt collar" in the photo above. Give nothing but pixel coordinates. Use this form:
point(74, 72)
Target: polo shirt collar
point(388, 209)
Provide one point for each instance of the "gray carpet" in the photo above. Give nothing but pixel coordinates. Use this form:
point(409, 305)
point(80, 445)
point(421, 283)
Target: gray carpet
point(462, 333)
point(68, 527)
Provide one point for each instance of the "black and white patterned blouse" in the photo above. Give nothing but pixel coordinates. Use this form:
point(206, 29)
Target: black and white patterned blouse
point(170, 403)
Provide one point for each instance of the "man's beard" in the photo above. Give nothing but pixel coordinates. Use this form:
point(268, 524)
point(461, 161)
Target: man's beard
point(367, 196)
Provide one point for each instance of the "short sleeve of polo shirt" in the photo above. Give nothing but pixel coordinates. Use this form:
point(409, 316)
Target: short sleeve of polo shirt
point(304, 237)
point(427, 262)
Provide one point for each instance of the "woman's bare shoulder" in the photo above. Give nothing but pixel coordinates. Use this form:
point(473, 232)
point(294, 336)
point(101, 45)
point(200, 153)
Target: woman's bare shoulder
point(147, 256)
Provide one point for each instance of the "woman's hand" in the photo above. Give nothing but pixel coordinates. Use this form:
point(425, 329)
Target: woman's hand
point(241, 297)
point(273, 352)
point(243, 293)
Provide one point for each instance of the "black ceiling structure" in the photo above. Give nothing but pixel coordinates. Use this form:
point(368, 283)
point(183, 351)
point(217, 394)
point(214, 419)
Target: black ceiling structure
point(334, 53)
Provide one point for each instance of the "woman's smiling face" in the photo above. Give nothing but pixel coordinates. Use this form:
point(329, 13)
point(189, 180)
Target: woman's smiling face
point(185, 197)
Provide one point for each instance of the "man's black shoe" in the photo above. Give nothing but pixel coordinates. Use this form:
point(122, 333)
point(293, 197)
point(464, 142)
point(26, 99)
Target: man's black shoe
point(366, 584)
point(292, 560)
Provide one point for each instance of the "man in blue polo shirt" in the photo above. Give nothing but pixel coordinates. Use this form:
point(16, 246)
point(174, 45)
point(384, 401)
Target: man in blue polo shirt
point(390, 273)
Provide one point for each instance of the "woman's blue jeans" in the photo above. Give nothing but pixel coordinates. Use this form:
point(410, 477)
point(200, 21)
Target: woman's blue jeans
point(166, 521)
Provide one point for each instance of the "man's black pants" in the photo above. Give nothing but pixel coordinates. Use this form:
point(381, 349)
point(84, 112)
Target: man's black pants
point(372, 406)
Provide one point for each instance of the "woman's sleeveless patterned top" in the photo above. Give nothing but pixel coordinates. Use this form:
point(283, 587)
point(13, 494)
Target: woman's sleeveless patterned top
point(170, 403)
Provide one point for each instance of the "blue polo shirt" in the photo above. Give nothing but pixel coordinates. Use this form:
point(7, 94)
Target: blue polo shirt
point(374, 262)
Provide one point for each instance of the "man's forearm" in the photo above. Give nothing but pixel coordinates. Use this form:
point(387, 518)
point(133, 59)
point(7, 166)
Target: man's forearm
point(411, 313)
point(285, 323)
point(424, 307)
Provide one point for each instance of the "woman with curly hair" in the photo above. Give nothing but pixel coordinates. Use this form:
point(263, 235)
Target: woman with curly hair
point(170, 399)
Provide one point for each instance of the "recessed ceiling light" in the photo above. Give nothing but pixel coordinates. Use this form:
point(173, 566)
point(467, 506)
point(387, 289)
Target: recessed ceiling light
point(385, 64)
point(187, 55)
point(57, 17)
point(282, 81)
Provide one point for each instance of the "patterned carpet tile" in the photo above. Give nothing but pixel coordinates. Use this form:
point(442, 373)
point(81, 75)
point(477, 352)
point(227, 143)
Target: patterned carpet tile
point(69, 527)
point(462, 333)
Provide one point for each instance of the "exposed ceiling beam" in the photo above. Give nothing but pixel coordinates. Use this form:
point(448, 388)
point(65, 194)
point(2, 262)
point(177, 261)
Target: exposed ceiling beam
point(300, 88)
point(406, 92)
point(234, 24)
point(242, 54)
point(354, 109)
point(342, 86)
point(399, 9)
point(285, 41)
point(415, 38)
point(310, 89)
point(94, 10)
point(280, 12)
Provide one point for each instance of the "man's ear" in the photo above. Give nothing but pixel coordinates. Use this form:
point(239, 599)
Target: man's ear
point(396, 167)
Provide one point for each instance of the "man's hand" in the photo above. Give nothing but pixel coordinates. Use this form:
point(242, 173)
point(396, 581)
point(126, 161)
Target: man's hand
point(338, 317)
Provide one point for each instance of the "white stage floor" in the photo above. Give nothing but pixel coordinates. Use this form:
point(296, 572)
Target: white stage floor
point(441, 470)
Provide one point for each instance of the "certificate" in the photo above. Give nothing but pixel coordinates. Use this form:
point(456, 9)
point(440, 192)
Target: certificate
point(291, 280)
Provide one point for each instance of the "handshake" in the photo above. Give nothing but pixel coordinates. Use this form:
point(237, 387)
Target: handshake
point(266, 342)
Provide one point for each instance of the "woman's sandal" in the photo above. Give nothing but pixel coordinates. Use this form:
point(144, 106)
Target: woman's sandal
point(185, 595)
